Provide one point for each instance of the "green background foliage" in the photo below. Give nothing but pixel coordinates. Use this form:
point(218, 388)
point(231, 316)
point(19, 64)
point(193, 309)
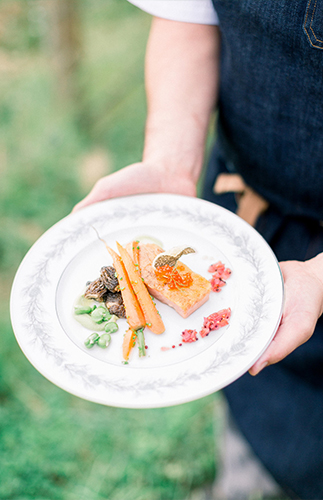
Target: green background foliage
point(55, 141)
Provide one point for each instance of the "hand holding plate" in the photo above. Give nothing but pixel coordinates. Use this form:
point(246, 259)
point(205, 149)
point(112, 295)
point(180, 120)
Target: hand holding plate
point(303, 306)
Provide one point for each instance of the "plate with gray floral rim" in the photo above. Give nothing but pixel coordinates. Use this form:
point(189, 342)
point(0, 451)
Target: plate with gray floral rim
point(56, 269)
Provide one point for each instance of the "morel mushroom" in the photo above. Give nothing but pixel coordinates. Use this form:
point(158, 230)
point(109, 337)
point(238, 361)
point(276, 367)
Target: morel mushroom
point(96, 290)
point(114, 304)
point(109, 279)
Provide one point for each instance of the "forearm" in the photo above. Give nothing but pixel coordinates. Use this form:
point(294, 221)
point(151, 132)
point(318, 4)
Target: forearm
point(181, 83)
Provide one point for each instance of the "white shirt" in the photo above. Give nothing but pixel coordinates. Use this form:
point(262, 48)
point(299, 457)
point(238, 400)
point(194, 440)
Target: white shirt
point(191, 11)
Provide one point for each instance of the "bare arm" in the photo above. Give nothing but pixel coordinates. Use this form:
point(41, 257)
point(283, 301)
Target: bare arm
point(181, 82)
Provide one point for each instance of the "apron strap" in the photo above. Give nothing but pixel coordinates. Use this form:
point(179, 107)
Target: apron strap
point(250, 204)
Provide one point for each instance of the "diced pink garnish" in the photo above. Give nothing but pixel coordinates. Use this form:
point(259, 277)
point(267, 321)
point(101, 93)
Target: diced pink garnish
point(189, 336)
point(217, 283)
point(215, 321)
point(204, 332)
point(219, 274)
point(217, 267)
point(226, 273)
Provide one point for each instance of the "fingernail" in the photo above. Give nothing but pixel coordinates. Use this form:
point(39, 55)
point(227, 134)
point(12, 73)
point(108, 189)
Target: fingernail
point(260, 367)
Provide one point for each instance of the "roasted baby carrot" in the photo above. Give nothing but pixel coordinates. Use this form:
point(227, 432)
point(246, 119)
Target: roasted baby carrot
point(134, 314)
point(152, 317)
point(129, 341)
point(135, 253)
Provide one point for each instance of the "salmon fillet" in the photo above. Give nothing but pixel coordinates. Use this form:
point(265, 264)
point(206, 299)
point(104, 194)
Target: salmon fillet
point(186, 300)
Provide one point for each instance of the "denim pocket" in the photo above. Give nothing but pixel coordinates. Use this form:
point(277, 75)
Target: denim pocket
point(313, 23)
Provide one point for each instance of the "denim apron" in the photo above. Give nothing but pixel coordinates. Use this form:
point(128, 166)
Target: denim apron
point(270, 131)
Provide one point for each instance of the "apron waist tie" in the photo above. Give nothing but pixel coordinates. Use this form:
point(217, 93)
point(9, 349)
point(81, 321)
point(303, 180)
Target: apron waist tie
point(250, 204)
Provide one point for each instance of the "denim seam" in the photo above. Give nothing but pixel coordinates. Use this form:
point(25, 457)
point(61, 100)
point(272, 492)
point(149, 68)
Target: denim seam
point(312, 22)
point(310, 26)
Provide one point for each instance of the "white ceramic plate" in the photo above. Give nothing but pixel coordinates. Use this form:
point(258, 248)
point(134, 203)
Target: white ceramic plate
point(56, 269)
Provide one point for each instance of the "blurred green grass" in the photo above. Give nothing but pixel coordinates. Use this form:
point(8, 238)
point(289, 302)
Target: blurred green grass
point(52, 444)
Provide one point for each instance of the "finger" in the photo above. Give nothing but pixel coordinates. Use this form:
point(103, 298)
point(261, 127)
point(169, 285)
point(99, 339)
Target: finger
point(132, 179)
point(97, 194)
point(105, 188)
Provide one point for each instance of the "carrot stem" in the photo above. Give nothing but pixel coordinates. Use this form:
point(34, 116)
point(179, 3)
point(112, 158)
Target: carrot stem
point(141, 342)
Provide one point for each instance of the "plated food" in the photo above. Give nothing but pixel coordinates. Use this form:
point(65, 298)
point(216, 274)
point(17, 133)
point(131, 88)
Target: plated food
point(141, 272)
point(57, 268)
point(177, 286)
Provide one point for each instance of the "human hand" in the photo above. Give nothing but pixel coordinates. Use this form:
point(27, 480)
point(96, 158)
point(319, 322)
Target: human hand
point(139, 178)
point(303, 306)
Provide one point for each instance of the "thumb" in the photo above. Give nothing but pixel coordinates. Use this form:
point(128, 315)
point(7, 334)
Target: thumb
point(290, 335)
point(126, 181)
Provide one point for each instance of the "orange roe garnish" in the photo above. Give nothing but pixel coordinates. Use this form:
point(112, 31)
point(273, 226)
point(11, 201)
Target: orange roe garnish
point(170, 276)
